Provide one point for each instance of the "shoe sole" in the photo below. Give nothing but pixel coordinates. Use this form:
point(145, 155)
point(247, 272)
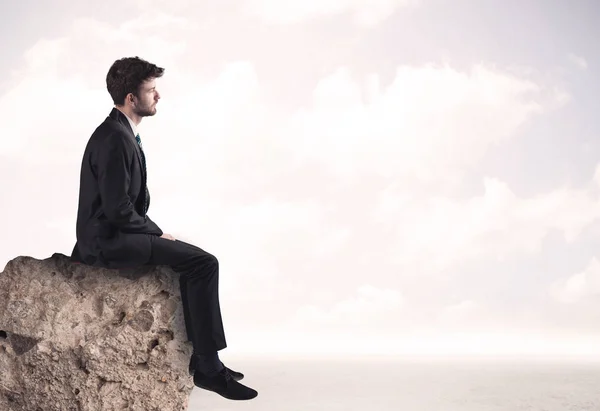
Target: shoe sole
point(225, 396)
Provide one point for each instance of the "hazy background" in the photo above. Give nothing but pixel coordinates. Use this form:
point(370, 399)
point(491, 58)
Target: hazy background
point(381, 176)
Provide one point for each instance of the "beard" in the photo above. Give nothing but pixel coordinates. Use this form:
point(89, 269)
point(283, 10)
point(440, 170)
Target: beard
point(145, 111)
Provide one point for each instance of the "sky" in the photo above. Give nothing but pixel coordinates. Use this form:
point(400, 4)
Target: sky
point(375, 177)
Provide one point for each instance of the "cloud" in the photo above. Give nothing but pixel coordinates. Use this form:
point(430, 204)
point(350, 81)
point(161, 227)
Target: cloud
point(580, 62)
point(357, 184)
point(365, 13)
point(458, 313)
point(580, 287)
point(428, 125)
point(428, 121)
point(437, 232)
point(362, 308)
point(320, 155)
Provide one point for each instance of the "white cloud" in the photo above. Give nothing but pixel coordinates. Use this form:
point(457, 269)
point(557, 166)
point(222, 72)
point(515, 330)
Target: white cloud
point(579, 287)
point(365, 13)
point(458, 313)
point(430, 343)
point(359, 182)
point(439, 232)
point(368, 303)
point(597, 176)
point(427, 125)
point(579, 61)
point(428, 121)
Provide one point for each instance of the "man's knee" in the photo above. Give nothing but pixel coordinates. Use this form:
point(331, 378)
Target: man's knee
point(207, 264)
point(213, 262)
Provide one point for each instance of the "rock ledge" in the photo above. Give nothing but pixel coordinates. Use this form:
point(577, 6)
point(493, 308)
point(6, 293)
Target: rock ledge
point(81, 338)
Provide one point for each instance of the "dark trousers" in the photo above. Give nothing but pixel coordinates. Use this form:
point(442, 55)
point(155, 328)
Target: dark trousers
point(199, 283)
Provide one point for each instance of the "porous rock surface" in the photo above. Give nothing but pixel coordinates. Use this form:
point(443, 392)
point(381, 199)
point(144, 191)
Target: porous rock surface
point(81, 338)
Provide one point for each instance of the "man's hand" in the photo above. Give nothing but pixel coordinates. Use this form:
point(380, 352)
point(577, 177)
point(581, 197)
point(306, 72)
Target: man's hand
point(167, 236)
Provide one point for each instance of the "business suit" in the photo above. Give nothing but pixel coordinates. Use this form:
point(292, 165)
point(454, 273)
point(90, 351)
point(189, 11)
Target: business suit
point(114, 231)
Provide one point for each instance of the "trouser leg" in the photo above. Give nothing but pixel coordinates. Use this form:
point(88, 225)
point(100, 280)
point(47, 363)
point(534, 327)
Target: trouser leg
point(186, 308)
point(199, 285)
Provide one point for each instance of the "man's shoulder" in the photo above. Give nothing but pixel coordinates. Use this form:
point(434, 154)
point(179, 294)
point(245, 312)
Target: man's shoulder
point(108, 136)
point(109, 129)
point(110, 126)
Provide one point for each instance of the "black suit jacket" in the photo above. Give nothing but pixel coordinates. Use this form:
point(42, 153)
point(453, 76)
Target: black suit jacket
point(113, 230)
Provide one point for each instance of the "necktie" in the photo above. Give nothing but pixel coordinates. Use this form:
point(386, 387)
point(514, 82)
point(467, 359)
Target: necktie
point(147, 195)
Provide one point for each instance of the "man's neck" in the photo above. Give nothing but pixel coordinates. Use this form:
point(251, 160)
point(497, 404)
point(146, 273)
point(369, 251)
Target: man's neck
point(134, 117)
point(130, 120)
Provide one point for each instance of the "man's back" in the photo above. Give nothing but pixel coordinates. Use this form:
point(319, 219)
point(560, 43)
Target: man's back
point(112, 225)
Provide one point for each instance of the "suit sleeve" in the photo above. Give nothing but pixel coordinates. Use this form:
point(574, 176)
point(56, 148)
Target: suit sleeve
point(114, 177)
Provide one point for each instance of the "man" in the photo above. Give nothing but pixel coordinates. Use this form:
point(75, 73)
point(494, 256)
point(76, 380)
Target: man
point(114, 230)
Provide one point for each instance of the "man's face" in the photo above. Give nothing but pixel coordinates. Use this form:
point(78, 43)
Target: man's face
point(145, 105)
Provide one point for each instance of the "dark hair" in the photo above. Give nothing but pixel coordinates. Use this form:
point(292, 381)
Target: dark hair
point(127, 74)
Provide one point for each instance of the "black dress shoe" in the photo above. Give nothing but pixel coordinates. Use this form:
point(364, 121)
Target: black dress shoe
point(234, 374)
point(224, 385)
